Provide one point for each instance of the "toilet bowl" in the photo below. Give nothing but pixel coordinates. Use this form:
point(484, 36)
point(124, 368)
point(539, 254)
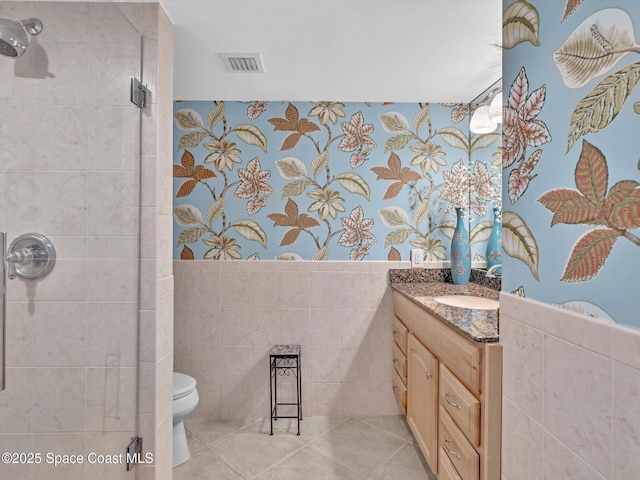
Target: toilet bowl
point(185, 399)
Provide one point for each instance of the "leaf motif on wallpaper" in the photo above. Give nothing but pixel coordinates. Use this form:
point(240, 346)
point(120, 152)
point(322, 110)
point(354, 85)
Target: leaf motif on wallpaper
point(520, 127)
point(394, 255)
point(293, 122)
point(518, 291)
point(188, 119)
point(394, 216)
point(319, 163)
point(572, 6)
point(483, 140)
point(215, 210)
point(186, 188)
point(422, 117)
point(186, 254)
point(601, 106)
point(354, 183)
point(595, 46)
point(191, 140)
point(293, 189)
point(291, 167)
point(448, 228)
point(520, 23)
point(589, 254)
point(480, 232)
point(460, 112)
point(518, 241)
point(624, 213)
point(251, 231)
point(187, 215)
point(215, 115)
point(520, 177)
point(398, 237)
point(394, 122)
point(292, 218)
point(395, 171)
point(421, 212)
point(618, 211)
point(397, 143)
point(455, 137)
point(191, 235)
point(251, 135)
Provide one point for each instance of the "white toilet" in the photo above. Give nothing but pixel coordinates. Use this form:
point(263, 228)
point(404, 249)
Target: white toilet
point(185, 399)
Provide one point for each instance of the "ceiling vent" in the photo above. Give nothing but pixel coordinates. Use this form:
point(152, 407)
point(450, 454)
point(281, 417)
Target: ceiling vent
point(243, 62)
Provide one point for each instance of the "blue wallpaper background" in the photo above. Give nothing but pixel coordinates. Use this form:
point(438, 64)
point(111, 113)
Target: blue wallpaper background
point(584, 237)
point(323, 181)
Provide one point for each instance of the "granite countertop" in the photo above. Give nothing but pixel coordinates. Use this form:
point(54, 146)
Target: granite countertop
point(479, 325)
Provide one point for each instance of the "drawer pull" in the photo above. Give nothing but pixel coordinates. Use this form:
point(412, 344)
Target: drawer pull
point(396, 333)
point(396, 363)
point(454, 405)
point(451, 452)
point(428, 374)
point(396, 391)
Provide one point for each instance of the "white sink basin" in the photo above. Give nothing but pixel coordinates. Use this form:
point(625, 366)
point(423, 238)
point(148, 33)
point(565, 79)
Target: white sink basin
point(468, 301)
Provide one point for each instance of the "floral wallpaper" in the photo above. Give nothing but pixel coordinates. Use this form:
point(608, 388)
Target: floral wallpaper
point(571, 220)
point(329, 180)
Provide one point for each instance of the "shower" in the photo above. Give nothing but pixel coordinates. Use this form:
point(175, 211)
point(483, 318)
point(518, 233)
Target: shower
point(13, 35)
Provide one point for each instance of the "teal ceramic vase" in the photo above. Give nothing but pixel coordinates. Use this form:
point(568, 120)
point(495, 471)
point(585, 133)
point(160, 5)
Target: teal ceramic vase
point(460, 252)
point(494, 246)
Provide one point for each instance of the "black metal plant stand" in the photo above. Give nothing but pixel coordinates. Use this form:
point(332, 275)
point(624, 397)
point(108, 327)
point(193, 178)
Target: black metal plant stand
point(284, 360)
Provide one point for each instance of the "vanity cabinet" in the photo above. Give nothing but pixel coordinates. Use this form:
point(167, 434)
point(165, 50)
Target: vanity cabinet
point(453, 391)
point(422, 398)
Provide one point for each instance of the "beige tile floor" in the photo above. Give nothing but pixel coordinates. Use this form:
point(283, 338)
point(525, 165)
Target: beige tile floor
point(343, 448)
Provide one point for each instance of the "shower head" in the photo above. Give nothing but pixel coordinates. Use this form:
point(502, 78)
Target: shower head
point(13, 35)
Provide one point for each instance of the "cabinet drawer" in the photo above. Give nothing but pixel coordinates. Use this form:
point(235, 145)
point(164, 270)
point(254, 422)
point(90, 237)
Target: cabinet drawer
point(461, 404)
point(400, 362)
point(400, 392)
point(400, 333)
point(458, 449)
point(446, 470)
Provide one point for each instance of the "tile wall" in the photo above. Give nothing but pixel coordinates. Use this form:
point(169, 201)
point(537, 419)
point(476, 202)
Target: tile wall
point(229, 314)
point(571, 391)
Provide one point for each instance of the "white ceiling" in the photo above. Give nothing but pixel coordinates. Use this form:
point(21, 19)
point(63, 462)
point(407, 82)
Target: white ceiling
point(343, 50)
point(346, 50)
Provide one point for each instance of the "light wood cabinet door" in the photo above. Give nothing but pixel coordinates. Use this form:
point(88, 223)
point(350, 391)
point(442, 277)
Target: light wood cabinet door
point(422, 399)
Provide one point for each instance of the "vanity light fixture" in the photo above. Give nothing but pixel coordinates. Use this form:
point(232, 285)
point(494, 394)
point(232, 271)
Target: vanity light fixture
point(488, 113)
point(480, 121)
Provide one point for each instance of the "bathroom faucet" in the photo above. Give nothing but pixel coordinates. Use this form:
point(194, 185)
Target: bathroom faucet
point(493, 273)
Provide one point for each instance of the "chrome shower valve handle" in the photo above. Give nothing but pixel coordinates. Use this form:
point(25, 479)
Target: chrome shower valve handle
point(31, 257)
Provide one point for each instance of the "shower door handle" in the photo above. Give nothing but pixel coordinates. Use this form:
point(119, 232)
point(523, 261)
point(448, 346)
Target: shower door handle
point(3, 298)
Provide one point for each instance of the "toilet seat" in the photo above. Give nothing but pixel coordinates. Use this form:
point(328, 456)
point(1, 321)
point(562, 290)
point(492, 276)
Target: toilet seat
point(183, 385)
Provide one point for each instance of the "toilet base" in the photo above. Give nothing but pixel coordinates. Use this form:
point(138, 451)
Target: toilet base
point(180, 446)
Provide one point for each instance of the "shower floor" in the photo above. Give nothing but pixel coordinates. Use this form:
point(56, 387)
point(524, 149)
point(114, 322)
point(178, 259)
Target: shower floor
point(342, 448)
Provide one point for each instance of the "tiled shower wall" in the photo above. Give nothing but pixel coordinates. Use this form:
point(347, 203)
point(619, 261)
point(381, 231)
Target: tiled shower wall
point(72, 342)
point(229, 314)
point(571, 391)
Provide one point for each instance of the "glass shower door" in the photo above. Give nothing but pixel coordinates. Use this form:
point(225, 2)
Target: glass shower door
point(69, 170)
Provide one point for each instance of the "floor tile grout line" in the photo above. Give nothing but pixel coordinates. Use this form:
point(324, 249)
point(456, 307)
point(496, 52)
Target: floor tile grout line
point(253, 422)
point(342, 464)
point(390, 458)
point(388, 431)
point(271, 467)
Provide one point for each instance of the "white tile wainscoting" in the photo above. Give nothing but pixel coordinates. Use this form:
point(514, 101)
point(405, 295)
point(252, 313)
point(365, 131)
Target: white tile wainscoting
point(571, 390)
point(229, 314)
